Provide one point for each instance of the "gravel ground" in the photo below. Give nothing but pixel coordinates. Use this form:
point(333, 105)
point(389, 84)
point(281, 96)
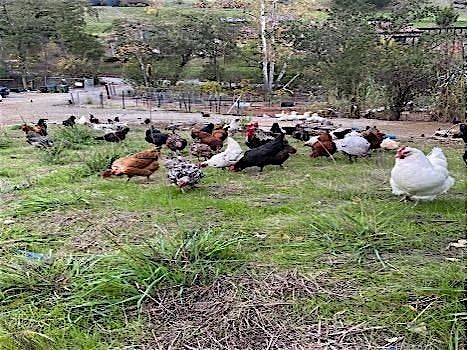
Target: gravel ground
point(33, 105)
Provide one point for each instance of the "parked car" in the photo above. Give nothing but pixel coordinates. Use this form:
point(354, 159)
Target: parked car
point(54, 88)
point(4, 91)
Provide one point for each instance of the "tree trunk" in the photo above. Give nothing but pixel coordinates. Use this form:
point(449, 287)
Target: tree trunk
point(265, 51)
point(24, 80)
point(395, 112)
point(143, 70)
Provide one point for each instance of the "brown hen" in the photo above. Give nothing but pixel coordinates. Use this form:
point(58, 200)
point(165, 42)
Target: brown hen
point(143, 163)
point(220, 134)
point(324, 146)
point(374, 137)
point(208, 139)
point(34, 128)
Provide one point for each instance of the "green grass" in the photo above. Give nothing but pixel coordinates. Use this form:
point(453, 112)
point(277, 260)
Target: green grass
point(110, 246)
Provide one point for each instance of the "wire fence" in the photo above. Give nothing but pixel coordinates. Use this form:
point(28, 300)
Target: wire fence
point(111, 96)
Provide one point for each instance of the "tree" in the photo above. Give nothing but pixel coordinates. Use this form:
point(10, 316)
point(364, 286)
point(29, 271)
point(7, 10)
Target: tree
point(446, 16)
point(133, 44)
point(405, 72)
point(342, 50)
point(25, 31)
point(177, 41)
point(30, 29)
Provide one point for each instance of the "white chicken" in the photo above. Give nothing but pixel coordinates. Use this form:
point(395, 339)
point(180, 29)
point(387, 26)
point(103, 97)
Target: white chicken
point(420, 177)
point(312, 140)
point(230, 156)
point(315, 118)
point(353, 144)
point(389, 144)
point(83, 121)
point(233, 126)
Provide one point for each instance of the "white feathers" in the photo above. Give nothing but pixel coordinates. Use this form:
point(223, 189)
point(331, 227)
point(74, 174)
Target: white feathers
point(420, 177)
point(233, 126)
point(230, 156)
point(311, 141)
point(315, 118)
point(83, 121)
point(389, 144)
point(353, 144)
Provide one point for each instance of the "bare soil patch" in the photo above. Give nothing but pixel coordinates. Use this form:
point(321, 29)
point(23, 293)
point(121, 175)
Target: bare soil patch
point(255, 311)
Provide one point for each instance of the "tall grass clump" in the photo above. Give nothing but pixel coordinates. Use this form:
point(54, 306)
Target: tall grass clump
point(73, 137)
point(361, 232)
point(49, 202)
point(100, 159)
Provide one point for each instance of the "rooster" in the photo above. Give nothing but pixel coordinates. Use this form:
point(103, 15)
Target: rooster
point(256, 137)
point(183, 173)
point(420, 177)
point(143, 163)
point(230, 156)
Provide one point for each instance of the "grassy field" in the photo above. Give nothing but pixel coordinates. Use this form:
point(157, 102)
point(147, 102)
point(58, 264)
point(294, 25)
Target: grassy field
point(313, 253)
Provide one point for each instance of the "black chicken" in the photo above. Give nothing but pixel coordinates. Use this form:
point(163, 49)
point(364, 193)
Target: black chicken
point(275, 152)
point(93, 119)
point(341, 132)
point(208, 128)
point(70, 121)
point(275, 129)
point(462, 135)
point(115, 136)
point(41, 123)
point(156, 137)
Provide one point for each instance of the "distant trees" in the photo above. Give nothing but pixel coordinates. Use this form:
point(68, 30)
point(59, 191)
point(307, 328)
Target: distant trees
point(175, 44)
point(446, 16)
point(32, 29)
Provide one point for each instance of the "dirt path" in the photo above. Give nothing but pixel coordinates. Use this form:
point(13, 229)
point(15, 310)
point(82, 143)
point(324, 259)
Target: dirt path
point(33, 105)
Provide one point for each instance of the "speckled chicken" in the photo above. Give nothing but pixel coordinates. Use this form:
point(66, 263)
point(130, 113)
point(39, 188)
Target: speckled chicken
point(200, 150)
point(143, 163)
point(38, 140)
point(175, 142)
point(183, 173)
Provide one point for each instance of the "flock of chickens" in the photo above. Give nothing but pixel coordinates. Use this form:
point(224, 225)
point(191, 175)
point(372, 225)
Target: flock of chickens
point(265, 148)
